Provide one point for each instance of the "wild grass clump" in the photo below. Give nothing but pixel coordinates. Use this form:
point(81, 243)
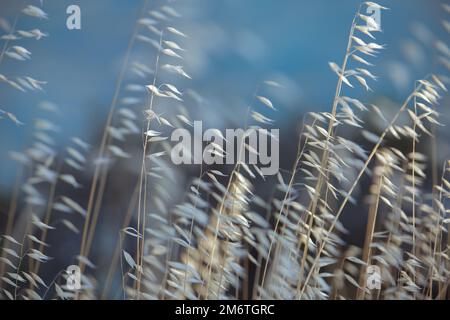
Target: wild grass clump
point(222, 240)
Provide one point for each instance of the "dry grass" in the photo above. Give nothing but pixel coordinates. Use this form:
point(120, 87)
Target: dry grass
point(224, 241)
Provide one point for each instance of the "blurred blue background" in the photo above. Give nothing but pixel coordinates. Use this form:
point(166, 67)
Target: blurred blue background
point(233, 45)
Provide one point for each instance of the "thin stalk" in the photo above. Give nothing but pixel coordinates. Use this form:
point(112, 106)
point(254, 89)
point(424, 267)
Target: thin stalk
point(324, 162)
point(414, 182)
point(300, 152)
point(437, 239)
point(11, 213)
point(260, 258)
point(370, 229)
point(117, 251)
point(22, 255)
point(235, 170)
point(191, 230)
point(142, 201)
point(48, 214)
point(104, 140)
